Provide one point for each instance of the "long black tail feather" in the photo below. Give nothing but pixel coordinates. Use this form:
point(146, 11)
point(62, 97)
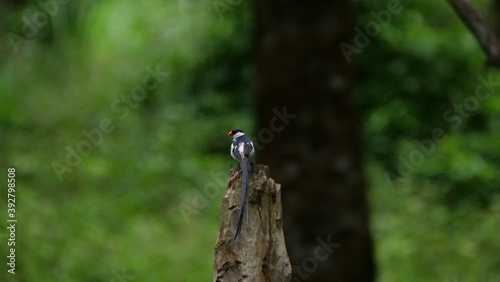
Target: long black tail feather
point(245, 168)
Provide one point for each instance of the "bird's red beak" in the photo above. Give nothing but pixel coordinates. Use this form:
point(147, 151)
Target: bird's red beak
point(230, 133)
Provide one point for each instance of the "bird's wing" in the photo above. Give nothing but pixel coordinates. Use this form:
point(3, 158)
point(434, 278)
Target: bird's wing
point(247, 150)
point(235, 152)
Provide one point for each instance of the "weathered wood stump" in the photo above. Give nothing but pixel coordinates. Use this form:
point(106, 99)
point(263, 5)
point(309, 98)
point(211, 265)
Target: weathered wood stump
point(259, 254)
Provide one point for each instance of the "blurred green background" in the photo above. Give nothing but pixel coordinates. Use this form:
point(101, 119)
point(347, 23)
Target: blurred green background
point(143, 202)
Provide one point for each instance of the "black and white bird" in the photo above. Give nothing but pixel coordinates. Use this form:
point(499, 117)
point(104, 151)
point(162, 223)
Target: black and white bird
point(242, 150)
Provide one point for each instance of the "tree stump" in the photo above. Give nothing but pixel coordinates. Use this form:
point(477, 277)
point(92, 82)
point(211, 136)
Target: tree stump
point(259, 254)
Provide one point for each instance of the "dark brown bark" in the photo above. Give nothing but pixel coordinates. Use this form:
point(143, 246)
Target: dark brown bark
point(496, 17)
point(485, 35)
point(259, 254)
point(316, 156)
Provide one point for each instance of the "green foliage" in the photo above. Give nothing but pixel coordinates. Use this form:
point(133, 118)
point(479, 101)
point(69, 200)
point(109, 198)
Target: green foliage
point(145, 199)
point(120, 206)
point(433, 67)
point(420, 239)
point(435, 201)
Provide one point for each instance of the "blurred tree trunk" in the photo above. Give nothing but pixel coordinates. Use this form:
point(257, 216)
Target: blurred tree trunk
point(496, 12)
point(316, 155)
point(485, 35)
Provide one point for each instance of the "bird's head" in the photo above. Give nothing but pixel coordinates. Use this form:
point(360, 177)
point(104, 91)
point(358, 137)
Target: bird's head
point(236, 133)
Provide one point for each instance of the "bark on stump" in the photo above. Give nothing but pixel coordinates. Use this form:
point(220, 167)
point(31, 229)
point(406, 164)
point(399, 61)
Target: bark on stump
point(259, 254)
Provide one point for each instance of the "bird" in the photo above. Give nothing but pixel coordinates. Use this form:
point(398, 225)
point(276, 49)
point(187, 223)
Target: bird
point(242, 150)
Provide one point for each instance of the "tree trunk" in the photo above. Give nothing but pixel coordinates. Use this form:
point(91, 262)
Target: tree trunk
point(259, 254)
point(480, 28)
point(315, 155)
